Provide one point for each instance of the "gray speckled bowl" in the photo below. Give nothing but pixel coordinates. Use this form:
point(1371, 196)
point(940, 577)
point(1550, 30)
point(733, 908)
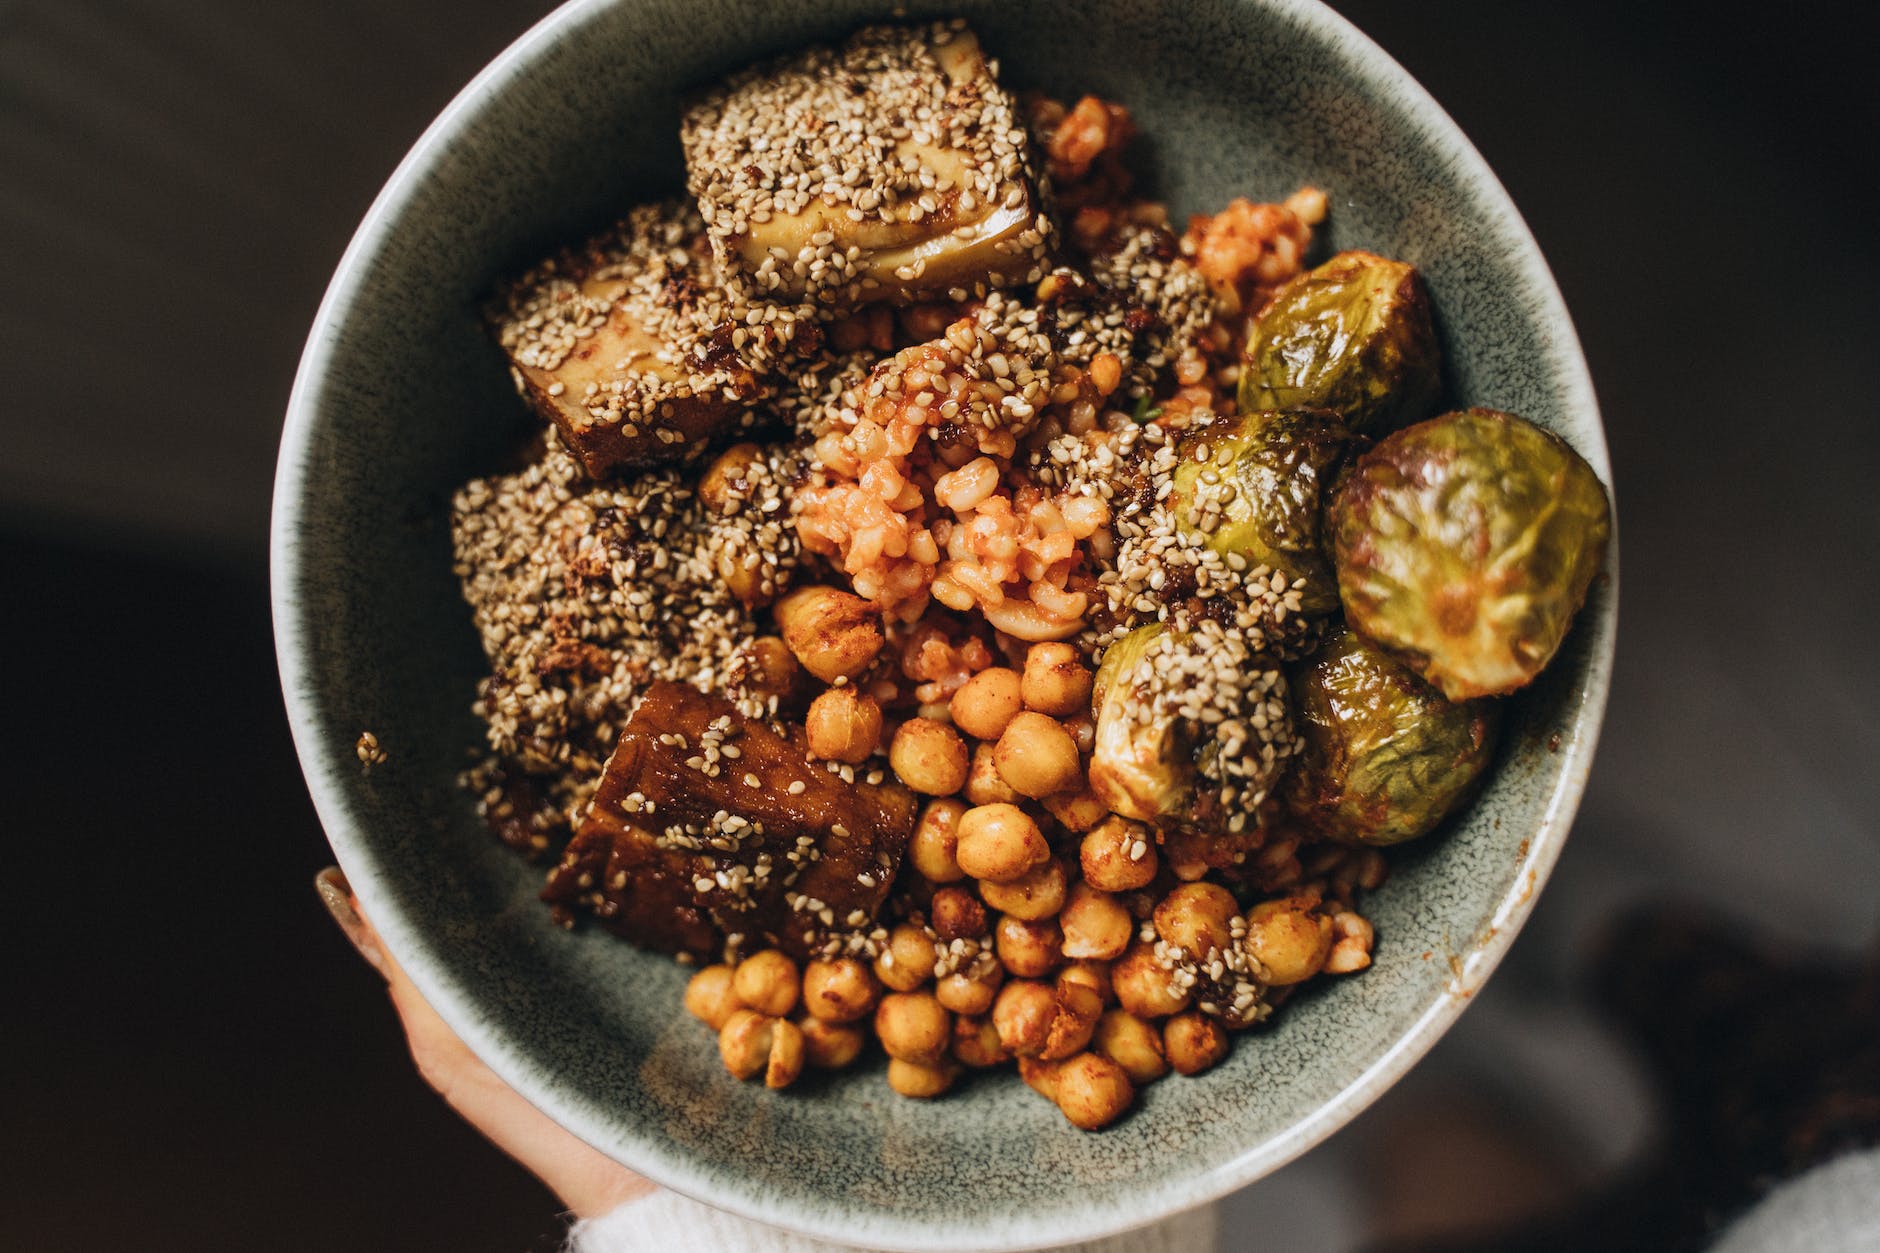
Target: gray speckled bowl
point(401, 397)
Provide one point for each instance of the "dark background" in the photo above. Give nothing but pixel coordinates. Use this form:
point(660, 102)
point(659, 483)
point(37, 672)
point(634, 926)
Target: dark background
point(192, 1059)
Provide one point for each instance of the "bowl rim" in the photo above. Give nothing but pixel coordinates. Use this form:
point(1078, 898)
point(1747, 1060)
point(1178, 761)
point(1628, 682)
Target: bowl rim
point(322, 763)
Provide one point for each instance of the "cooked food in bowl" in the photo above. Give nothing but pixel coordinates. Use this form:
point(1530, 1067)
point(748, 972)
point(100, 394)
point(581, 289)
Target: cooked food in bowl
point(957, 607)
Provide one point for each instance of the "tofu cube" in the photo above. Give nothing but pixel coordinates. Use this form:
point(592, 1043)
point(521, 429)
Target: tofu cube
point(891, 168)
point(707, 824)
point(630, 345)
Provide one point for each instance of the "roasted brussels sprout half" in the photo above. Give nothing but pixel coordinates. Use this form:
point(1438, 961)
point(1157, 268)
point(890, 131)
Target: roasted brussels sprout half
point(1466, 544)
point(1353, 336)
point(1385, 757)
point(1142, 764)
point(1271, 472)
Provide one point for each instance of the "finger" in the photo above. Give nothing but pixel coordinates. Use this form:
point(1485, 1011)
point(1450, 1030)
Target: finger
point(588, 1182)
point(336, 895)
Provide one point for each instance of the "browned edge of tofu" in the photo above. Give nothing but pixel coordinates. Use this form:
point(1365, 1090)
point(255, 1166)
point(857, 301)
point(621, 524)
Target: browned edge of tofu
point(630, 345)
point(690, 422)
point(680, 849)
point(971, 220)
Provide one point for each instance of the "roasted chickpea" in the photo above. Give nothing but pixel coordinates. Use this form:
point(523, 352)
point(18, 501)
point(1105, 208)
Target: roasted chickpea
point(913, 1027)
point(842, 990)
point(1039, 1020)
point(984, 784)
point(1133, 1044)
point(986, 702)
point(1095, 924)
point(976, 1041)
point(1193, 1042)
point(1028, 950)
point(744, 1043)
point(921, 1080)
point(1352, 950)
point(929, 757)
point(831, 1045)
point(956, 914)
point(1197, 918)
point(1142, 984)
point(1118, 855)
point(1040, 1076)
point(769, 667)
point(786, 1054)
point(1363, 869)
point(970, 991)
point(1037, 757)
point(1094, 975)
point(835, 634)
point(1056, 680)
point(1023, 1014)
point(908, 959)
point(1093, 1091)
point(767, 982)
point(1033, 896)
point(1076, 811)
point(716, 485)
point(1289, 938)
point(934, 846)
point(1082, 729)
point(710, 997)
point(1277, 862)
point(1078, 1010)
point(844, 725)
point(752, 1044)
point(755, 585)
point(1183, 866)
point(999, 843)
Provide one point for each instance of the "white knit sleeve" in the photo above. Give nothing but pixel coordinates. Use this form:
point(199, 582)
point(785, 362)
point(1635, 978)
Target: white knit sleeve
point(1832, 1209)
point(666, 1222)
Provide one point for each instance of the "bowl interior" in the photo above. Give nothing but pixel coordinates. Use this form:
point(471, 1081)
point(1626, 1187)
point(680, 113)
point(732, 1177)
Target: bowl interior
point(402, 397)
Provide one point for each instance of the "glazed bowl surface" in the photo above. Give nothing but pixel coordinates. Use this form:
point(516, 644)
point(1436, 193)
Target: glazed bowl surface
point(401, 397)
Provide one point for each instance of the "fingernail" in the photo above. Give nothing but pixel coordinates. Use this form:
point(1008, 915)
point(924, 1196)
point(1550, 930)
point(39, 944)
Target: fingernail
point(336, 895)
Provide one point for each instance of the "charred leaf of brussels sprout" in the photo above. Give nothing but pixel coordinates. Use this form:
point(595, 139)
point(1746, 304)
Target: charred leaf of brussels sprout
point(1386, 758)
point(1273, 472)
point(1192, 728)
point(1353, 336)
point(1466, 544)
point(1142, 764)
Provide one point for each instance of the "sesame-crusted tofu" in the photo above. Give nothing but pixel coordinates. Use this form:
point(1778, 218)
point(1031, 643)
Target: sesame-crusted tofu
point(632, 348)
point(708, 825)
point(893, 167)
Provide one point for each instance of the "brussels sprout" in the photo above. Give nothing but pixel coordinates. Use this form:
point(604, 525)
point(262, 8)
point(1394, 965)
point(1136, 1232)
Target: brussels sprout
point(1192, 726)
point(1273, 470)
point(1386, 758)
point(1142, 764)
point(1353, 336)
point(1465, 545)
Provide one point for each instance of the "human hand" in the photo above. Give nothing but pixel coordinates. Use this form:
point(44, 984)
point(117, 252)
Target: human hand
point(588, 1182)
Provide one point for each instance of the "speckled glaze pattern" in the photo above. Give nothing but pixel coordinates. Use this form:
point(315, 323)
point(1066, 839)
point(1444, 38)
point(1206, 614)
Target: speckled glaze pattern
point(401, 397)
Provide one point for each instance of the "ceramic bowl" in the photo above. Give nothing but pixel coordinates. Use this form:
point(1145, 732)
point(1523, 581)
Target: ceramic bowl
point(401, 397)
